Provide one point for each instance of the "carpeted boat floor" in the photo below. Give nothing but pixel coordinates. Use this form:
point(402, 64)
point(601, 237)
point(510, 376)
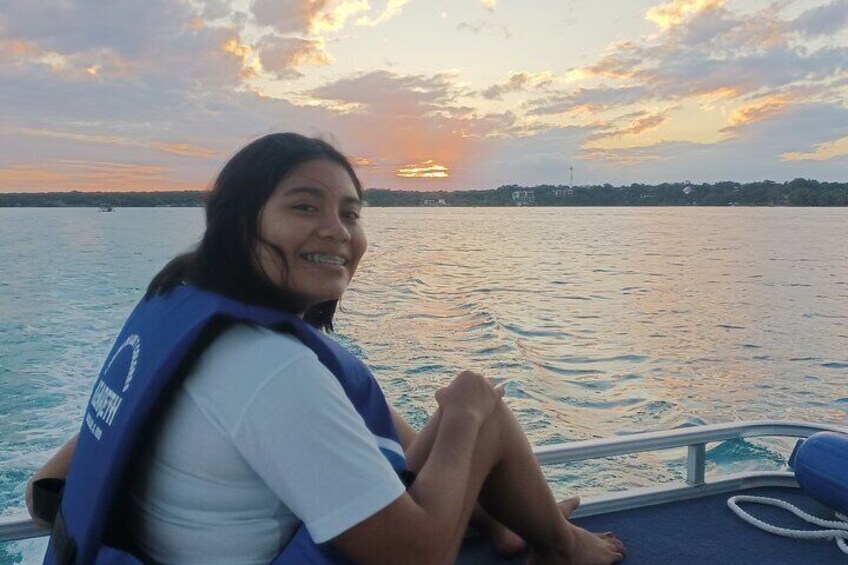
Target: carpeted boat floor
point(704, 531)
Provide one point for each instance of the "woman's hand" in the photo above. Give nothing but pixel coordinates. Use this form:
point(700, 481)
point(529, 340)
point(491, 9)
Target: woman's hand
point(472, 393)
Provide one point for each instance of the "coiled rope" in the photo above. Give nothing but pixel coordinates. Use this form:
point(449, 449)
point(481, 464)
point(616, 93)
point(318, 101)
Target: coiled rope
point(838, 529)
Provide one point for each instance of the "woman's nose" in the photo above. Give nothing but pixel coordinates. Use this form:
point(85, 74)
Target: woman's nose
point(333, 227)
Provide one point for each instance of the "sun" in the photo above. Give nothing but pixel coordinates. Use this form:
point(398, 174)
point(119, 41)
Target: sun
point(427, 170)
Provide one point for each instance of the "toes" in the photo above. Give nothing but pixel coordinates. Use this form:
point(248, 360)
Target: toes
point(569, 505)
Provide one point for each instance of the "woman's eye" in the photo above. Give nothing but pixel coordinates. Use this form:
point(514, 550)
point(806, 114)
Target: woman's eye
point(351, 215)
point(305, 207)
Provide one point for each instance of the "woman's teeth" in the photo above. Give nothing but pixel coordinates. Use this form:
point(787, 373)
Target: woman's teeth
point(325, 259)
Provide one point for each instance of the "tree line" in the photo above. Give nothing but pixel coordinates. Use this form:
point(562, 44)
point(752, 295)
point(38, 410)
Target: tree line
point(798, 192)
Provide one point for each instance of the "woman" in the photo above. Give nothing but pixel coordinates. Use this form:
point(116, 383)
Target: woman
point(266, 430)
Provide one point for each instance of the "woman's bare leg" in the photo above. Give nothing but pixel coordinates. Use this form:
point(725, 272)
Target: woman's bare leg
point(509, 483)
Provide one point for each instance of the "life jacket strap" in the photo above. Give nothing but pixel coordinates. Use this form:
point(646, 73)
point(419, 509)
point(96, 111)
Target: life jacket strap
point(46, 495)
point(64, 546)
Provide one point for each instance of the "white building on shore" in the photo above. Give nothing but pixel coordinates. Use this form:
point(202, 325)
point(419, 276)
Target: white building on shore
point(524, 197)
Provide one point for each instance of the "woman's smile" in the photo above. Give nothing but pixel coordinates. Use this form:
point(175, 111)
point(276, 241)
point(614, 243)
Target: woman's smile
point(324, 259)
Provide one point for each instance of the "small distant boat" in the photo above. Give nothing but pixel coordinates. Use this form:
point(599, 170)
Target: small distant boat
point(106, 208)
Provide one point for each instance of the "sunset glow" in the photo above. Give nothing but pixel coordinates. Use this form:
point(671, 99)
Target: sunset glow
point(425, 170)
point(510, 93)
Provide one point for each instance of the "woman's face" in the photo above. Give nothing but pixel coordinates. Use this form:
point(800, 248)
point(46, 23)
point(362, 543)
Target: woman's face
point(312, 217)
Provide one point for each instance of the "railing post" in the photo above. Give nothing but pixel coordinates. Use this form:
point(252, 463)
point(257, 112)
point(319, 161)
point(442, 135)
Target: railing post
point(696, 463)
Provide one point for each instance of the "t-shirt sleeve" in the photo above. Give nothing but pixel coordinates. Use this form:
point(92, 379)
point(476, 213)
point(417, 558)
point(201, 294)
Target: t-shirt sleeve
point(303, 437)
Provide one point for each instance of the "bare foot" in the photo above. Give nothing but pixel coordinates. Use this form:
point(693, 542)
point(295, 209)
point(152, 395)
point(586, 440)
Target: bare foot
point(587, 549)
point(506, 542)
point(568, 506)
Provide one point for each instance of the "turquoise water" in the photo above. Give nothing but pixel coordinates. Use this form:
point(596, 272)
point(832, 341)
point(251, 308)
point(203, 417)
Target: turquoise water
point(603, 321)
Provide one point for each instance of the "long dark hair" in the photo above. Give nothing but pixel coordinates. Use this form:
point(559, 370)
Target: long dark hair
point(225, 260)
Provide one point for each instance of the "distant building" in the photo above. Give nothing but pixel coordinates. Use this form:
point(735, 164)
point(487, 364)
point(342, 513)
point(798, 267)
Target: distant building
point(524, 197)
point(688, 190)
point(434, 202)
point(563, 192)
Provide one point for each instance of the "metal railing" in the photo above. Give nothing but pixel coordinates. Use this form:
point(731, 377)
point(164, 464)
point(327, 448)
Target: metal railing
point(696, 485)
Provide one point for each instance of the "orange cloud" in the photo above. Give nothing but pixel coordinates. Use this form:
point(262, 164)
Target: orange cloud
point(84, 137)
point(645, 124)
point(95, 176)
point(335, 19)
point(617, 65)
point(361, 162)
point(426, 170)
point(250, 63)
point(184, 149)
point(19, 177)
point(283, 55)
point(17, 49)
point(756, 112)
point(618, 157)
point(674, 13)
point(721, 93)
point(822, 152)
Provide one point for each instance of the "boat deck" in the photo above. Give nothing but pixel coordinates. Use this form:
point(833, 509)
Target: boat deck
point(686, 522)
point(703, 531)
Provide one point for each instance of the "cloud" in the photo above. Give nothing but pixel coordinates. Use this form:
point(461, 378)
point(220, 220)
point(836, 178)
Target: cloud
point(321, 16)
point(361, 162)
point(185, 149)
point(282, 56)
point(704, 49)
point(645, 123)
point(621, 157)
point(392, 9)
point(590, 99)
point(78, 25)
point(755, 153)
point(288, 16)
point(91, 176)
point(822, 152)
point(489, 4)
point(822, 20)
point(635, 124)
point(391, 93)
point(756, 112)
point(80, 137)
point(516, 83)
point(674, 13)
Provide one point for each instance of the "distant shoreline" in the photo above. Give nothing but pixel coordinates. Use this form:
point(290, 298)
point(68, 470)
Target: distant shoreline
point(799, 192)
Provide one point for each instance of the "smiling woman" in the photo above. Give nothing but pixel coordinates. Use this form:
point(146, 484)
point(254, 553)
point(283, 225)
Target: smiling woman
point(237, 432)
point(310, 238)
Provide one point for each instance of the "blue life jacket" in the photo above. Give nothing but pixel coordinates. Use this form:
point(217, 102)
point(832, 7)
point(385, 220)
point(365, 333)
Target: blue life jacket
point(157, 346)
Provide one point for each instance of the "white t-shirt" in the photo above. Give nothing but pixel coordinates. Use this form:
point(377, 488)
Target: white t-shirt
point(260, 436)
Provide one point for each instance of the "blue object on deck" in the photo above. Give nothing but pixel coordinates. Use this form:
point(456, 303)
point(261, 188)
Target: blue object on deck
point(821, 468)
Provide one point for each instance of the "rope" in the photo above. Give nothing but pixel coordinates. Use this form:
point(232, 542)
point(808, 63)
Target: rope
point(838, 529)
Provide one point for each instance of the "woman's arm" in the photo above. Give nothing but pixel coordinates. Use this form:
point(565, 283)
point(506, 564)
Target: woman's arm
point(473, 439)
point(406, 432)
point(421, 526)
point(56, 468)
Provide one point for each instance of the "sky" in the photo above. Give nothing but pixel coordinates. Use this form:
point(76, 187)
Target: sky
point(135, 95)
